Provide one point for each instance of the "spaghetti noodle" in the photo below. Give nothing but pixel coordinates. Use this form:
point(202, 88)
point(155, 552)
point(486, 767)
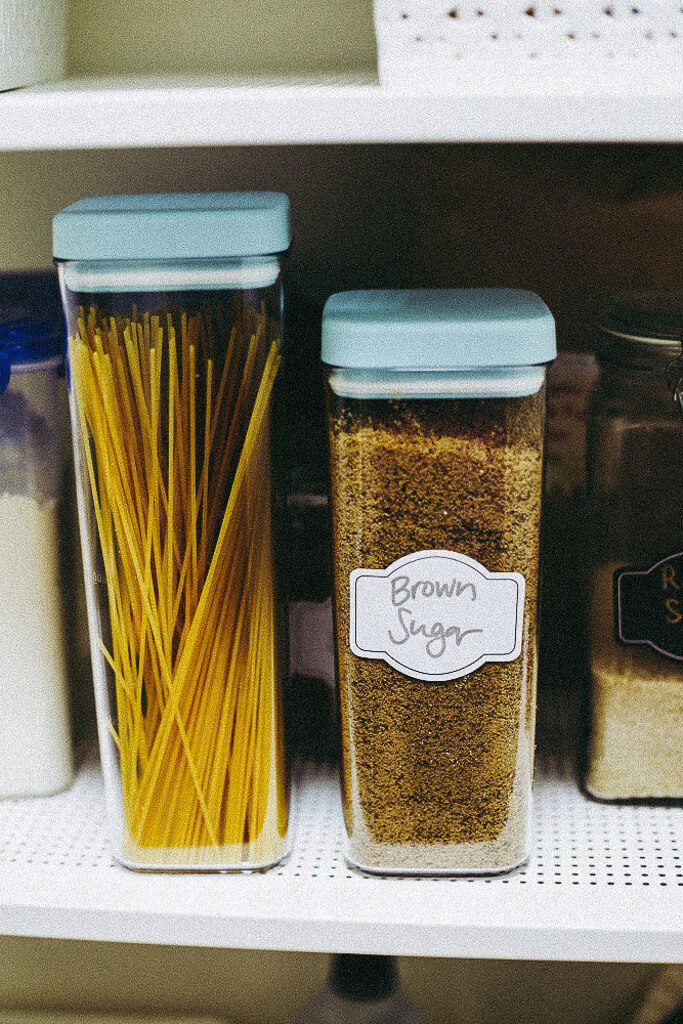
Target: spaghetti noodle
point(175, 416)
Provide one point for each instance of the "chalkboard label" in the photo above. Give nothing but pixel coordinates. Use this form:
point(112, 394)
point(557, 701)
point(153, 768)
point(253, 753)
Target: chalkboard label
point(649, 606)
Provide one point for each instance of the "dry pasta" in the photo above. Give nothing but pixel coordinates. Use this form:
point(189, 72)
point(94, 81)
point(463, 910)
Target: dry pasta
point(175, 418)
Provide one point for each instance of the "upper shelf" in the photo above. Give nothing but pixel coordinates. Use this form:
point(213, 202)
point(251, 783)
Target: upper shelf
point(489, 103)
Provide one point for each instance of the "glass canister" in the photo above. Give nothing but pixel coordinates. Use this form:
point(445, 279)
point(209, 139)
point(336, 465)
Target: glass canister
point(174, 311)
point(36, 757)
point(436, 414)
point(636, 493)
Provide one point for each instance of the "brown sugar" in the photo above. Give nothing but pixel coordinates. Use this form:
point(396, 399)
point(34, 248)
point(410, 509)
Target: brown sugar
point(437, 776)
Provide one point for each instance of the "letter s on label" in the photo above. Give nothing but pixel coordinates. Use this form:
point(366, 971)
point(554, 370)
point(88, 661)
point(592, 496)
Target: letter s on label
point(406, 631)
point(673, 607)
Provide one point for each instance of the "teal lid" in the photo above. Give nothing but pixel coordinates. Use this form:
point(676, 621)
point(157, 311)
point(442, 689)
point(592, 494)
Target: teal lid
point(454, 328)
point(201, 225)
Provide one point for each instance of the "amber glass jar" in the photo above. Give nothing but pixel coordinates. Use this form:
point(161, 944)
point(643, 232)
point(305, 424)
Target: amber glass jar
point(636, 494)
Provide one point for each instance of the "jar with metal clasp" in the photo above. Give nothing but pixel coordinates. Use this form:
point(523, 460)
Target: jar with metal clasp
point(635, 481)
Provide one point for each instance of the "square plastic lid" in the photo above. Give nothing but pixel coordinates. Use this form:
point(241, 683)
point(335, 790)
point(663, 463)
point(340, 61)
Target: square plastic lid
point(453, 328)
point(201, 225)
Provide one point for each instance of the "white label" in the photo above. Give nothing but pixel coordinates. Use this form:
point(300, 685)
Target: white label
point(436, 615)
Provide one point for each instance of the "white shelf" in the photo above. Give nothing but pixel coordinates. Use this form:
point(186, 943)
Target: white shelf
point(605, 884)
point(639, 103)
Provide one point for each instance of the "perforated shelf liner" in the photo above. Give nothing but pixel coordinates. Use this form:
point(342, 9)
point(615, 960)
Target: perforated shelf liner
point(578, 842)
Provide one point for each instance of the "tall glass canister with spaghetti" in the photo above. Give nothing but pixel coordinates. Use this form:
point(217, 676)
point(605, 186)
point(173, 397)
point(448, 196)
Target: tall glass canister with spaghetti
point(174, 314)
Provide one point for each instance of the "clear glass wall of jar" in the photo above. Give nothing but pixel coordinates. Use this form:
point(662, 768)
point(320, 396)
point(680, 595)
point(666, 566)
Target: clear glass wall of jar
point(636, 495)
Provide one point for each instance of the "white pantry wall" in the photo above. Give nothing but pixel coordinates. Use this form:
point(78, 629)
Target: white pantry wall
point(288, 37)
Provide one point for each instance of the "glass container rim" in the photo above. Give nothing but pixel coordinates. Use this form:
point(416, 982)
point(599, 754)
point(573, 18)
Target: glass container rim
point(636, 351)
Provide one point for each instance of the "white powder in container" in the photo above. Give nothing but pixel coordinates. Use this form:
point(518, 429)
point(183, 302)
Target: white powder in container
point(35, 733)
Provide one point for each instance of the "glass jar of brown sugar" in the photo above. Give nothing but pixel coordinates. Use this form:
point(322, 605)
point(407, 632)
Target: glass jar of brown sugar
point(436, 408)
point(636, 496)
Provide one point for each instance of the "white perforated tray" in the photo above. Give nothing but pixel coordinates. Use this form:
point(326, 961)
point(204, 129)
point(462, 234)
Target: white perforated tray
point(605, 883)
point(447, 41)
